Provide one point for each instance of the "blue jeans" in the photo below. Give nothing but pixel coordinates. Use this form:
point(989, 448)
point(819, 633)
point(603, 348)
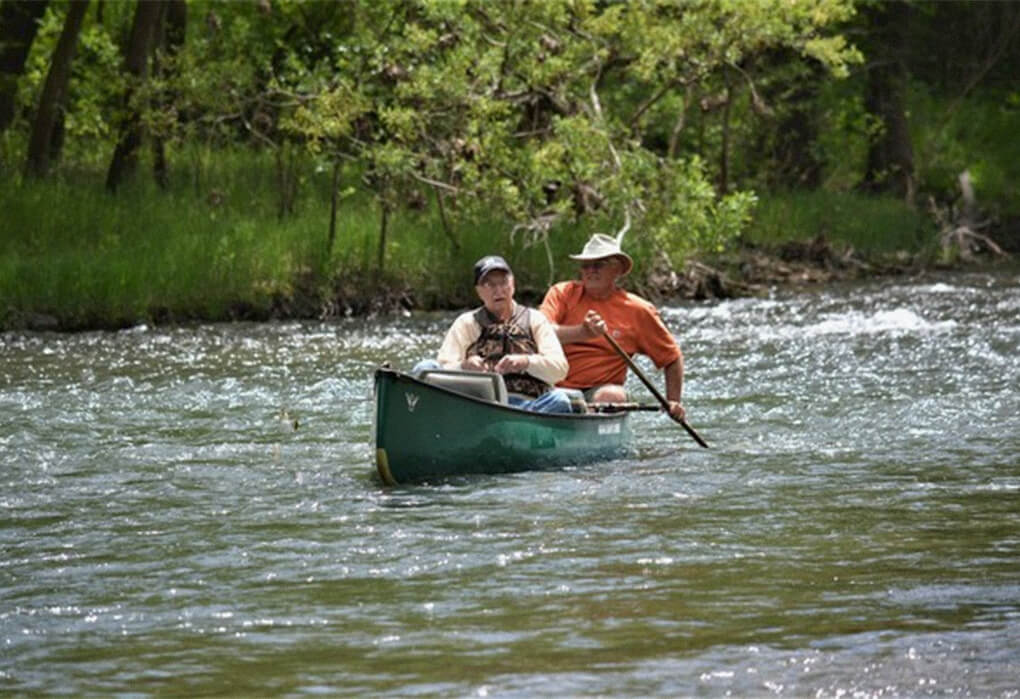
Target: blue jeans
point(555, 401)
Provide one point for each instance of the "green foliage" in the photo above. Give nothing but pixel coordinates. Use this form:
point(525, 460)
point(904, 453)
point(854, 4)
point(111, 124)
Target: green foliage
point(977, 135)
point(843, 144)
point(500, 104)
point(89, 259)
point(533, 123)
point(96, 84)
point(494, 102)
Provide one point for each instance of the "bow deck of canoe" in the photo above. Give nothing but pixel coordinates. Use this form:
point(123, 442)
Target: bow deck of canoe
point(425, 431)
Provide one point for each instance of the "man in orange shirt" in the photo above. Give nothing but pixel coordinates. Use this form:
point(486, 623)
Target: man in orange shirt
point(582, 310)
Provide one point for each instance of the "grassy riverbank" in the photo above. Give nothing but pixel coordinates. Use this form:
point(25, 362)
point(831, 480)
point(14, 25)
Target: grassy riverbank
point(74, 257)
point(873, 226)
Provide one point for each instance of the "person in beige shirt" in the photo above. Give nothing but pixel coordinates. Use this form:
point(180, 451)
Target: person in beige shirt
point(507, 338)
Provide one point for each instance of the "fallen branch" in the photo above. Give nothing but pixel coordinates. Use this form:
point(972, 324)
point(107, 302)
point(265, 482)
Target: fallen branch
point(958, 228)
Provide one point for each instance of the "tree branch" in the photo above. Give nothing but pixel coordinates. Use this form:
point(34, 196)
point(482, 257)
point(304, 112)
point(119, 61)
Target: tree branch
point(435, 183)
point(647, 104)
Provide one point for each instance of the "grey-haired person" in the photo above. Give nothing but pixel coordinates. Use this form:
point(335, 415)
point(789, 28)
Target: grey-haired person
point(505, 337)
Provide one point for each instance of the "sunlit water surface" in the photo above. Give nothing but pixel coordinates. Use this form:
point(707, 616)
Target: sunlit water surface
point(193, 510)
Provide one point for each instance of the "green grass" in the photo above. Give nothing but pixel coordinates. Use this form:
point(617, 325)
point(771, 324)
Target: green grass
point(214, 246)
point(871, 225)
point(87, 258)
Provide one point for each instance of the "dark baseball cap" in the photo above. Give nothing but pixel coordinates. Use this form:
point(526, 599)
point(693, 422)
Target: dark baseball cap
point(489, 263)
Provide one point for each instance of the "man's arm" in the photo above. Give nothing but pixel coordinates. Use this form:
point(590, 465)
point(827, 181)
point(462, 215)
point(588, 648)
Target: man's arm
point(592, 327)
point(554, 307)
point(453, 352)
point(572, 333)
point(675, 387)
point(549, 364)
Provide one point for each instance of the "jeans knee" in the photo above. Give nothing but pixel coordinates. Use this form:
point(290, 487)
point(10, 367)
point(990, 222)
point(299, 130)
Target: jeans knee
point(559, 402)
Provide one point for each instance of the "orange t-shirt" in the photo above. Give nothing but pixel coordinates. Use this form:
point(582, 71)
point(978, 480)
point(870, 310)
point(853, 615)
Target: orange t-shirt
point(634, 323)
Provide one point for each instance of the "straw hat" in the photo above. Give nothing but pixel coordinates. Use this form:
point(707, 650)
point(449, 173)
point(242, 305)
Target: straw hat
point(601, 246)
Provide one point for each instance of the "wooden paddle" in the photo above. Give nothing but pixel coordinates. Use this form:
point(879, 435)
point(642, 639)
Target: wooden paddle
point(655, 392)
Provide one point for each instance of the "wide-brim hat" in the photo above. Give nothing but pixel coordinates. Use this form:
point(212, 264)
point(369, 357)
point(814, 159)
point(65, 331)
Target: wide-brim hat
point(600, 246)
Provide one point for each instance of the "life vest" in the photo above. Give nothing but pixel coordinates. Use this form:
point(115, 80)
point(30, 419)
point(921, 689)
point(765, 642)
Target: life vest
point(513, 336)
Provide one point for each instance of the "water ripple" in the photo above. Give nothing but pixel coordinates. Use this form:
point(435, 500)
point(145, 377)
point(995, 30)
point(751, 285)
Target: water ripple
point(191, 510)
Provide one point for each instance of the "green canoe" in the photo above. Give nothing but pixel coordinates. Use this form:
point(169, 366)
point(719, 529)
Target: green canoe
point(429, 428)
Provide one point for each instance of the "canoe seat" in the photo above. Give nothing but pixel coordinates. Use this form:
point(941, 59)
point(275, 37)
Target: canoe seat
point(477, 384)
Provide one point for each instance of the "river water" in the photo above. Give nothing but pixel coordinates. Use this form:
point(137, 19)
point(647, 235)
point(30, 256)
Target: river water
point(193, 510)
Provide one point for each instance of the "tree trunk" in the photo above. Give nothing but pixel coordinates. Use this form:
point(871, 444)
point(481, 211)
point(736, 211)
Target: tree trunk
point(19, 23)
point(787, 145)
point(174, 23)
point(891, 156)
point(681, 121)
point(136, 59)
point(287, 179)
point(334, 204)
point(445, 222)
point(38, 160)
point(384, 225)
point(724, 147)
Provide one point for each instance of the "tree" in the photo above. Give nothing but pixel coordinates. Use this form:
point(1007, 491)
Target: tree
point(977, 49)
point(546, 112)
point(890, 165)
point(148, 14)
point(170, 41)
point(19, 23)
point(54, 89)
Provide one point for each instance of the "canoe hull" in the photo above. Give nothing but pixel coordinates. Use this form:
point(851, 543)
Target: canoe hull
point(425, 432)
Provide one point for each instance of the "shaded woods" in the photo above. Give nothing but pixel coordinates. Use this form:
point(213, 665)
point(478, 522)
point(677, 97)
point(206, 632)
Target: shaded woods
point(321, 158)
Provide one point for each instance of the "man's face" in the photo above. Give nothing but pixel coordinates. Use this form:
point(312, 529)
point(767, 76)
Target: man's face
point(600, 275)
point(496, 290)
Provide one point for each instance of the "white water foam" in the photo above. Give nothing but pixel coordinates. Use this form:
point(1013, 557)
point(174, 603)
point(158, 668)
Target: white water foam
point(890, 321)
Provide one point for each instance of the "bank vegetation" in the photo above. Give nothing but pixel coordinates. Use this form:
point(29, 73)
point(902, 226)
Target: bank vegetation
point(178, 160)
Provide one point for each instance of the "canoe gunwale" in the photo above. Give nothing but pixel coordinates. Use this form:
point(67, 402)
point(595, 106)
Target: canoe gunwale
point(493, 404)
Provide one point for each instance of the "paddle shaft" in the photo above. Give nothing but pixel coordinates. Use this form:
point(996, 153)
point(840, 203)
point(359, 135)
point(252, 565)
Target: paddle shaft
point(623, 407)
point(655, 391)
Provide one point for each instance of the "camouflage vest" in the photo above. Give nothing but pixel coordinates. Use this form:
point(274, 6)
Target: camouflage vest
point(511, 337)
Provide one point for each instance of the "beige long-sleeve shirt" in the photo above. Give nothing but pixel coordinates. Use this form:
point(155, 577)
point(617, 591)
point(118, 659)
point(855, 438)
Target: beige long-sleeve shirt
point(548, 365)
